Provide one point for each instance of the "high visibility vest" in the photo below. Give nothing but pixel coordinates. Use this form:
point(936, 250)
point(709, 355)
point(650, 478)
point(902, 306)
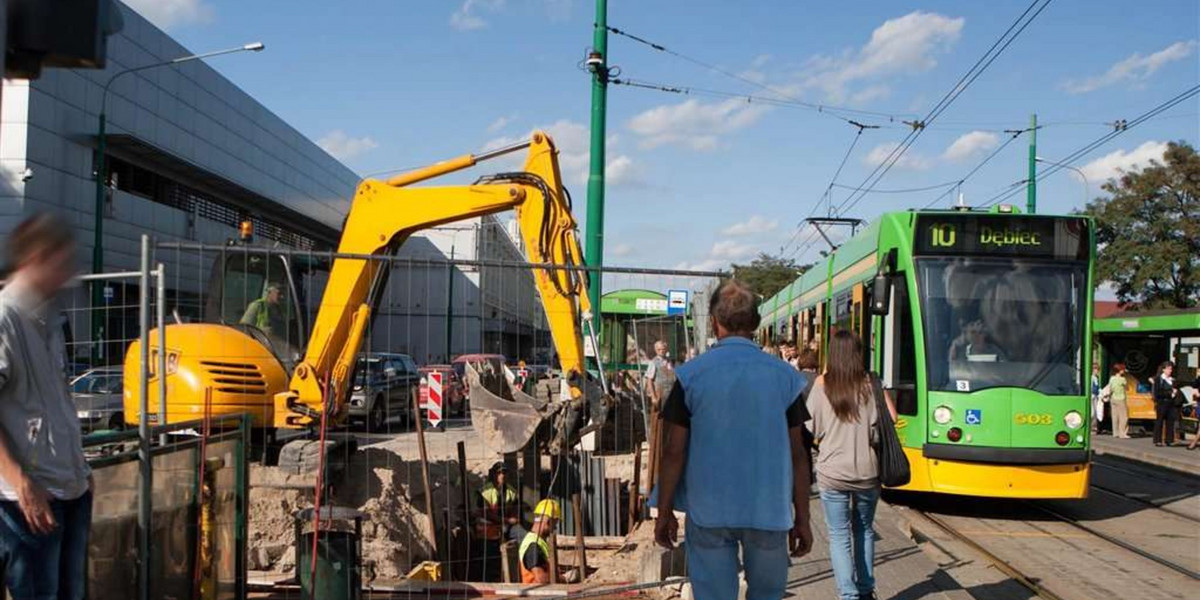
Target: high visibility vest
point(491, 504)
point(531, 538)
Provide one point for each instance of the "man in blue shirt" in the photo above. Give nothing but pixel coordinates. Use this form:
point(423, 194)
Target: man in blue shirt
point(734, 459)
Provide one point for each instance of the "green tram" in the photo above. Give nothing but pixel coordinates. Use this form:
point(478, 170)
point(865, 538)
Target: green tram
point(1142, 340)
point(978, 324)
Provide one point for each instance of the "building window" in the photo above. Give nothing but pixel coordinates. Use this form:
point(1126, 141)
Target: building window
point(147, 184)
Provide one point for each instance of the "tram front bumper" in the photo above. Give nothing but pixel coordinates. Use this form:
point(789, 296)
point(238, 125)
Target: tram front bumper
point(997, 480)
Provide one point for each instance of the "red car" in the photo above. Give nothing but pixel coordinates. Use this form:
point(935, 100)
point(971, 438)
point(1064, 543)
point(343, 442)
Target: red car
point(454, 393)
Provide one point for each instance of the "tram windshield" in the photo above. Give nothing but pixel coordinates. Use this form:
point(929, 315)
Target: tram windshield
point(1003, 323)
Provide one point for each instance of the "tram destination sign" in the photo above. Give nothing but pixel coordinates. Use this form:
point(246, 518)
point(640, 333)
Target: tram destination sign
point(1064, 238)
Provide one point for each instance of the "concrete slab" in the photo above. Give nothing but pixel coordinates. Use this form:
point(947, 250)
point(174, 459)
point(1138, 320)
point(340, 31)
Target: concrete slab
point(902, 569)
point(1142, 449)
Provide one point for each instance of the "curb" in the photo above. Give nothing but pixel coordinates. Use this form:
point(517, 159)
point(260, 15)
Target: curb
point(1181, 466)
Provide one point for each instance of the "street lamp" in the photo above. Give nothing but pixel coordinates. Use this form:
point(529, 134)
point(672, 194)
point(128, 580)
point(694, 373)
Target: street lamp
point(1086, 188)
point(101, 151)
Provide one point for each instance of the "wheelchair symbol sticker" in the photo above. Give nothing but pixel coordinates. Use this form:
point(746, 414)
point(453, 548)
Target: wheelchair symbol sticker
point(974, 416)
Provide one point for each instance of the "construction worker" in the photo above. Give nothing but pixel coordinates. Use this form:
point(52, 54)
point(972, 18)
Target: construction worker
point(535, 550)
point(500, 509)
point(267, 314)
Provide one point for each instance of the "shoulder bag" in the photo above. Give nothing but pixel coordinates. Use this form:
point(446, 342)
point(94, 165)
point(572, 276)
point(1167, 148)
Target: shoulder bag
point(894, 470)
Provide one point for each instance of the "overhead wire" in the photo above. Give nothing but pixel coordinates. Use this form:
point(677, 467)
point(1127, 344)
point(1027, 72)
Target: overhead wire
point(997, 48)
point(829, 189)
point(973, 171)
point(824, 108)
point(927, 188)
point(1066, 161)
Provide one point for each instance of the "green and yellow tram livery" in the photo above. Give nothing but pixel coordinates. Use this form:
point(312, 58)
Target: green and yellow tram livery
point(978, 325)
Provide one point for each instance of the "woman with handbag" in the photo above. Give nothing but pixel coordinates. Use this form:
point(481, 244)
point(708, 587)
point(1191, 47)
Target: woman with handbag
point(1166, 404)
point(845, 416)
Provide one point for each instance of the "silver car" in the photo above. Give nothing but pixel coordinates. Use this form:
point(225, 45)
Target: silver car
point(98, 399)
point(384, 387)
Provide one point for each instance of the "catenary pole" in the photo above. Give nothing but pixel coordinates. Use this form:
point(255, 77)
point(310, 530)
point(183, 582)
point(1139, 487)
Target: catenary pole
point(1031, 185)
point(594, 248)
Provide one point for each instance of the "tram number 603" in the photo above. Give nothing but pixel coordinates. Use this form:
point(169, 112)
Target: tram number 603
point(1033, 419)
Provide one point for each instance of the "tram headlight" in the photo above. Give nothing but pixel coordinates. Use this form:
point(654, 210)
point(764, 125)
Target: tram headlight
point(942, 415)
point(1073, 420)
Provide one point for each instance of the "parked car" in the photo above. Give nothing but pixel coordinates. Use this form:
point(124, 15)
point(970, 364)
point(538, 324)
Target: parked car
point(454, 393)
point(98, 397)
point(384, 387)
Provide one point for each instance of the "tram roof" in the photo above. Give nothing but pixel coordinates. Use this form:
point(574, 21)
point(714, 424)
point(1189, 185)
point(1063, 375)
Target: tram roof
point(1150, 321)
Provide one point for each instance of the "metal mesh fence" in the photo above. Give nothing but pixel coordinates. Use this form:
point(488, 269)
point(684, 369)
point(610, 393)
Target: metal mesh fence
point(428, 313)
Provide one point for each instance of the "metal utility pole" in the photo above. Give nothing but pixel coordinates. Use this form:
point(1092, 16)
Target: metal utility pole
point(594, 248)
point(1031, 185)
point(450, 305)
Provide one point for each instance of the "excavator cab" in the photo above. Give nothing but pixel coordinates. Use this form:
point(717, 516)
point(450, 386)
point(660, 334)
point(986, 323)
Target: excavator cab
point(257, 292)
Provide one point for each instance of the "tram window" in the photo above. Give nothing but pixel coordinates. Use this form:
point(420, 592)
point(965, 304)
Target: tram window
point(1003, 323)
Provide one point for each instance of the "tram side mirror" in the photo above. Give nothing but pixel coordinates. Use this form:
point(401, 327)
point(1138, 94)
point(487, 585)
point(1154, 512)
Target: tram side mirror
point(881, 295)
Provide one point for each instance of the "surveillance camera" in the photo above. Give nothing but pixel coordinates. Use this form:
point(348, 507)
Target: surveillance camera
point(26, 175)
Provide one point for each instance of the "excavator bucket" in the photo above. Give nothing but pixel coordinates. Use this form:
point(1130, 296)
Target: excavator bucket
point(505, 426)
point(504, 416)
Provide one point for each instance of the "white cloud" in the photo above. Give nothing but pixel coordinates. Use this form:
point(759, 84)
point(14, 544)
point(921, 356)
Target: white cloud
point(620, 250)
point(971, 144)
point(573, 142)
point(755, 225)
point(500, 123)
point(1112, 164)
point(904, 45)
point(719, 256)
point(694, 124)
point(467, 16)
point(169, 13)
point(909, 160)
point(343, 147)
point(1134, 70)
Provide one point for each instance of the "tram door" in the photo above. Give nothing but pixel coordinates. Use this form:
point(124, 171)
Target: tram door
point(898, 369)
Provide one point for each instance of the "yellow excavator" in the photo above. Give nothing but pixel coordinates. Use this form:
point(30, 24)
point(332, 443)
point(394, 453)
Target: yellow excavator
point(236, 362)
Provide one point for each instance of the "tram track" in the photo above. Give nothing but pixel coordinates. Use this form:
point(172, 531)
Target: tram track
point(1116, 541)
point(1033, 584)
point(1034, 552)
point(1146, 503)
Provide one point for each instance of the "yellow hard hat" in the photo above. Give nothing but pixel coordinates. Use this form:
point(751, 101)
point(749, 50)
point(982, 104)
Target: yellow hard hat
point(547, 509)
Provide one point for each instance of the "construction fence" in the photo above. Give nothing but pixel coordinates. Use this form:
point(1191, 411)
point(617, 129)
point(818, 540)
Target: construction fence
point(192, 509)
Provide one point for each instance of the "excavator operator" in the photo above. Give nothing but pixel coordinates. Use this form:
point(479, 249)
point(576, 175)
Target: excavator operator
point(266, 313)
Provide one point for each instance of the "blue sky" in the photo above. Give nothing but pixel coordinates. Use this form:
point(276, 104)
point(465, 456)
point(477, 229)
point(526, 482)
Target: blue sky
point(700, 180)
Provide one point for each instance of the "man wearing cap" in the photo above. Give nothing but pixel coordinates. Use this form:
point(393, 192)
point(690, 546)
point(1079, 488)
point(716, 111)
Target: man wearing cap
point(266, 313)
point(500, 509)
point(535, 550)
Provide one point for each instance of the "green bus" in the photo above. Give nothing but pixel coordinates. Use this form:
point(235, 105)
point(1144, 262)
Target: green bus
point(1142, 340)
point(977, 323)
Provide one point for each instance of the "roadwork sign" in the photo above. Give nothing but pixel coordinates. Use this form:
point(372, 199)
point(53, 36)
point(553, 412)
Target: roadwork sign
point(433, 402)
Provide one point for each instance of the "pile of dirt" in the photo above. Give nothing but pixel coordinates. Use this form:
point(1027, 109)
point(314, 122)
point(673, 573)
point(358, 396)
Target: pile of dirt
point(378, 482)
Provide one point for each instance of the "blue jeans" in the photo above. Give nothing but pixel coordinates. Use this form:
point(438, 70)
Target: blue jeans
point(712, 556)
point(848, 516)
point(46, 567)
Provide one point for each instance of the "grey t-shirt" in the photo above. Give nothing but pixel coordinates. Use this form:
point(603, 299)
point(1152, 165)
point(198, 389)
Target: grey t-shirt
point(846, 458)
point(36, 411)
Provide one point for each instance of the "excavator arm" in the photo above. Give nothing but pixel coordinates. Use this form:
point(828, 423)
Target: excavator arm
point(384, 214)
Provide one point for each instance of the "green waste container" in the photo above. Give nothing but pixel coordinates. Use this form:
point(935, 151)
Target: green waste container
point(338, 574)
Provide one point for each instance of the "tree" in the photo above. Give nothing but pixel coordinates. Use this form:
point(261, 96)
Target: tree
point(1148, 232)
point(767, 274)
